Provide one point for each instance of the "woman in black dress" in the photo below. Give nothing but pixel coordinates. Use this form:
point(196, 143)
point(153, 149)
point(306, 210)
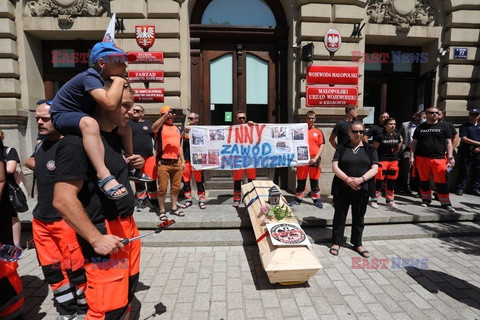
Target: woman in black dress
point(354, 164)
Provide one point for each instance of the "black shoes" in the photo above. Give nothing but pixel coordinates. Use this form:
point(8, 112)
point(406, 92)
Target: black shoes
point(459, 192)
point(476, 192)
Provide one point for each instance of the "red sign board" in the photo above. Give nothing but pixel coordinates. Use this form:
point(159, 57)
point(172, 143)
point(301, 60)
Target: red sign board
point(145, 57)
point(145, 76)
point(145, 36)
point(149, 95)
point(323, 96)
point(332, 75)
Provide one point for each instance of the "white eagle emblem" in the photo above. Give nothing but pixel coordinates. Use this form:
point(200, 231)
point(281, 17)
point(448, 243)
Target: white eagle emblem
point(145, 36)
point(332, 40)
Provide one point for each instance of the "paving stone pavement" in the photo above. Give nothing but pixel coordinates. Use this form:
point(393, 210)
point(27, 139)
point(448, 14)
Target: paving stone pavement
point(230, 283)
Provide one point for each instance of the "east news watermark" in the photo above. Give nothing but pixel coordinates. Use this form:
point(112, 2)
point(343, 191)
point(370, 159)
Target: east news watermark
point(393, 263)
point(392, 56)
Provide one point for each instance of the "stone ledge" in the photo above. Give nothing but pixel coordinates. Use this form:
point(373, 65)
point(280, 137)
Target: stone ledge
point(8, 48)
point(349, 13)
point(315, 12)
point(163, 9)
point(7, 10)
point(7, 29)
point(126, 9)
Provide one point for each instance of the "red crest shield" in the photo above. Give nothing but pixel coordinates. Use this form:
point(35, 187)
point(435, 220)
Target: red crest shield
point(145, 36)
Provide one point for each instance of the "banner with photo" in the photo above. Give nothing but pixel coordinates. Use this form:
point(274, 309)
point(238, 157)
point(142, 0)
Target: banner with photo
point(244, 146)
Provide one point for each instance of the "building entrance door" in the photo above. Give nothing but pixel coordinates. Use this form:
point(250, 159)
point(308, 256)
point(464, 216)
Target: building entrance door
point(239, 77)
point(239, 62)
point(393, 82)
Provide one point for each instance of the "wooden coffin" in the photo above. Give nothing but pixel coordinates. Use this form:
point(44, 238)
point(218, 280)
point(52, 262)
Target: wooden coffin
point(291, 264)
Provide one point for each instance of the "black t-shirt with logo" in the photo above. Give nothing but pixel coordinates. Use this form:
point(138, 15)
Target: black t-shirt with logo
point(374, 131)
point(73, 164)
point(388, 148)
point(45, 165)
point(142, 136)
point(431, 140)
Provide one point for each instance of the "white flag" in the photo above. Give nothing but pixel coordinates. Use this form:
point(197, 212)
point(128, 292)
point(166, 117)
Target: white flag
point(110, 33)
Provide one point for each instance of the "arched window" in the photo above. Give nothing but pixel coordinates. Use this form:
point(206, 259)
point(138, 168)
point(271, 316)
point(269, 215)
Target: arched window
point(238, 13)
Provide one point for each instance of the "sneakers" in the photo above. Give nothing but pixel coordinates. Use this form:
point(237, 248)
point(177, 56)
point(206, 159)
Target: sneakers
point(236, 204)
point(141, 203)
point(294, 203)
point(319, 204)
point(392, 205)
point(426, 203)
point(373, 204)
point(138, 175)
point(449, 208)
point(67, 317)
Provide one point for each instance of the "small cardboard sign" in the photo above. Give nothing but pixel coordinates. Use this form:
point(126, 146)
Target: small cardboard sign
point(287, 234)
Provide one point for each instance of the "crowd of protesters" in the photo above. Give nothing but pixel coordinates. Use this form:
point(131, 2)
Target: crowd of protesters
point(95, 140)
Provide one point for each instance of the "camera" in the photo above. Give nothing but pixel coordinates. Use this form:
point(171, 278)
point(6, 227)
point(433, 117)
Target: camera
point(177, 111)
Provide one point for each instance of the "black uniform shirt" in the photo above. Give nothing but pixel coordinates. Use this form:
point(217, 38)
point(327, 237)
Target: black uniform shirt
point(142, 137)
point(72, 164)
point(431, 140)
point(341, 131)
point(45, 164)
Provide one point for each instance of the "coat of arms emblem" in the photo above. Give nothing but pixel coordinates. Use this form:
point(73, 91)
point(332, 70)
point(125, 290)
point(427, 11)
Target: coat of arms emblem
point(145, 36)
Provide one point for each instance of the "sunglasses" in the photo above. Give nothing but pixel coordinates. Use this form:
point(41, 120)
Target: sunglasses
point(242, 118)
point(433, 112)
point(137, 111)
point(49, 102)
point(358, 131)
point(191, 118)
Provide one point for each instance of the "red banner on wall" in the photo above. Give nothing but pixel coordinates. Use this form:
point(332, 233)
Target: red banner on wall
point(332, 75)
point(145, 76)
point(323, 96)
point(149, 95)
point(145, 57)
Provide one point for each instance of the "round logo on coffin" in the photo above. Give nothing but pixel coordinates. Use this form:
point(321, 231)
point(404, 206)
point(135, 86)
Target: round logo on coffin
point(287, 233)
point(403, 7)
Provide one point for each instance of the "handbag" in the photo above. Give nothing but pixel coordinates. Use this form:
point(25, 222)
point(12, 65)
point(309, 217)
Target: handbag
point(17, 197)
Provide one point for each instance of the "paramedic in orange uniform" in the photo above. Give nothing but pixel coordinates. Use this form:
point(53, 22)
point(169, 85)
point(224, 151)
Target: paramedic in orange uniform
point(316, 144)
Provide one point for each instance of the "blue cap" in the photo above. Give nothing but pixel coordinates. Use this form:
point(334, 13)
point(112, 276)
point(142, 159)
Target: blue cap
point(474, 111)
point(107, 49)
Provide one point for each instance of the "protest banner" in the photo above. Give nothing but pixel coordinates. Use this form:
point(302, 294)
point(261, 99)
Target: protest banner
point(249, 146)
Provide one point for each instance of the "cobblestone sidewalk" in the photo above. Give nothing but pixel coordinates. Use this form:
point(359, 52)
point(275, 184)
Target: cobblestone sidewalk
point(229, 283)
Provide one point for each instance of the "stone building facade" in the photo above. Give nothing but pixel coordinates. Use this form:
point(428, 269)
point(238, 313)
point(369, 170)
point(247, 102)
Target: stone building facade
point(197, 48)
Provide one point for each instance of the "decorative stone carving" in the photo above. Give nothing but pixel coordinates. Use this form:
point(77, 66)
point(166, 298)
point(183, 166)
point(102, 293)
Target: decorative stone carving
point(402, 13)
point(65, 10)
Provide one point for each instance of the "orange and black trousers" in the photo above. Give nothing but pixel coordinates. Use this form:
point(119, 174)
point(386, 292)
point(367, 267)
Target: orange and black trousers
point(387, 172)
point(237, 181)
point(61, 259)
point(302, 173)
point(112, 279)
point(199, 180)
point(11, 292)
point(437, 168)
point(151, 189)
